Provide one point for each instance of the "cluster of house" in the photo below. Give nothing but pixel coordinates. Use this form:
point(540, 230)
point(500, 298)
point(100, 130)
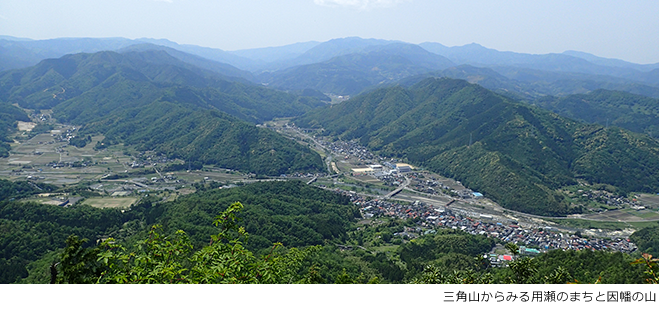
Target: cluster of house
point(428, 185)
point(610, 199)
point(392, 179)
point(146, 159)
point(348, 149)
point(41, 117)
point(63, 136)
point(533, 238)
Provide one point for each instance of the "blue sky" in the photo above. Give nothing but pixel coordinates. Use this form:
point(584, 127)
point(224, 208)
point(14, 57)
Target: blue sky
point(626, 30)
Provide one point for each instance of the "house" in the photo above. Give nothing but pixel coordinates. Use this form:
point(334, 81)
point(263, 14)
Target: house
point(465, 194)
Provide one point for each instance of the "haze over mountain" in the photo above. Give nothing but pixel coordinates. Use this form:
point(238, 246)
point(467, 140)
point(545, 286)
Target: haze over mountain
point(477, 55)
point(352, 73)
point(529, 84)
point(163, 71)
point(348, 66)
point(271, 54)
point(228, 72)
point(514, 153)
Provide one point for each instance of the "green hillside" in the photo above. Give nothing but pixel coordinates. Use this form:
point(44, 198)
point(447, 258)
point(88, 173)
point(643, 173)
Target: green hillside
point(288, 212)
point(141, 77)
point(608, 108)
point(210, 137)
point(152, 101)
point(519, 154)
point(291, 213)
point(9, 115)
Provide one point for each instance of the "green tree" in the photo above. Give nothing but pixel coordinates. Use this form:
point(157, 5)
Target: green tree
point(78, 264)
point(162, 259)
point(651, 267)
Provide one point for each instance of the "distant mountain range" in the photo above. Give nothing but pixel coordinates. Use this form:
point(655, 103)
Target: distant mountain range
point(200, 104)
point(348, 66)
point(529, 84)
point(514, 153)
point(353, 73)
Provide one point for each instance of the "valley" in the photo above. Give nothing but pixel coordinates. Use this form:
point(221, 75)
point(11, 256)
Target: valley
point(353, 160)
point(118, 176)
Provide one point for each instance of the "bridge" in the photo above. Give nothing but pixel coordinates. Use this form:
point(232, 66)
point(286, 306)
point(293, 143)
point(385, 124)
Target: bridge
point(398, 190)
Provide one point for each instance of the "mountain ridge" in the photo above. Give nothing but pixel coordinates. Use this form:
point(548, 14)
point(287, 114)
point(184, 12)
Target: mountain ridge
point(533, 151)
point(153, 101)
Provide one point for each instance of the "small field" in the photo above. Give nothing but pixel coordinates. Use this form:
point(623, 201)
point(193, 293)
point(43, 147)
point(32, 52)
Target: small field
point(110, 202)
point(367, 179)
point(624, 215)
point(386, 248)
point(612, 225)
point(650, 200)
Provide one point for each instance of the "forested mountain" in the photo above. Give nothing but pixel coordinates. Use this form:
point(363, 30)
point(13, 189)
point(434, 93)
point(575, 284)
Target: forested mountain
point(21, 189)
point(611, 62)
point(287, 212)
point(351, 65)
point(291, 213)
point(351, 74)
point(213, 54)
point(15, 54)
point(608, 108)
point(565, 83)
point(531, 76)
point(334, 48)
point(9, 115)
point(156, 102)
point(273, 58)
point(25, 53)
point(529, 85)
point(477, 55)
point(647, 240)
point(228, 72)
point(313, 65)
point(519, 154)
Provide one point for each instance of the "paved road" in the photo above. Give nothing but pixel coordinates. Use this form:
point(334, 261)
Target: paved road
point(398, 190)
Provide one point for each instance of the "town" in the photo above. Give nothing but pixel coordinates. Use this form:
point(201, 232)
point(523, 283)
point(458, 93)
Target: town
point(533, 239)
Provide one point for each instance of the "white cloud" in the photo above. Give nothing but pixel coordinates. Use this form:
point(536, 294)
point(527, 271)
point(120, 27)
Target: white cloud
point(360, 4)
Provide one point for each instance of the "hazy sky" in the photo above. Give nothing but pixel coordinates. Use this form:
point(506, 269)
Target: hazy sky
point(626, 30)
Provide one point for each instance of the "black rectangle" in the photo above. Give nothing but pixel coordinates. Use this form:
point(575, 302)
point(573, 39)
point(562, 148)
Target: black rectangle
point(513, 295)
